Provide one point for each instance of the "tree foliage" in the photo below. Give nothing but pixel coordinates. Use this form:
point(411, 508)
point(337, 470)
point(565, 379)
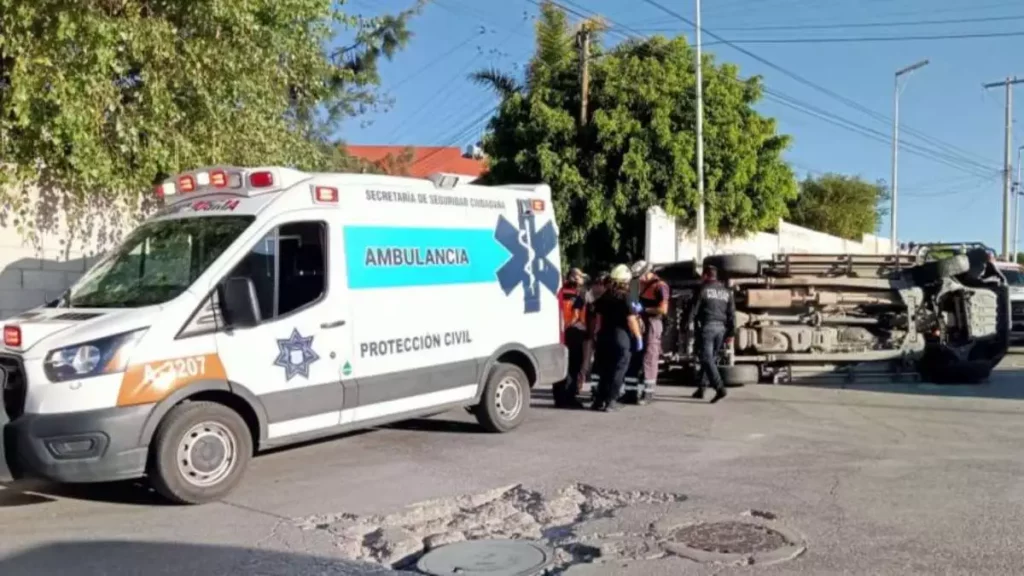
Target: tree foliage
point(844, 206)
point(638, 146)
point(100, 97)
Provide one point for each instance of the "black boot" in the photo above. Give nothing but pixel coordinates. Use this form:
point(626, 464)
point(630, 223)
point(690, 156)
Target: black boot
point(698, 395)
point(719, 394)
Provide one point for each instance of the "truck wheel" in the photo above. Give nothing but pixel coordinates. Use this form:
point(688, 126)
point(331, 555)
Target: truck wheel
point(740, 374)
point(505, 400)
point(938, 270)
point(199, 453)
point(735, 265)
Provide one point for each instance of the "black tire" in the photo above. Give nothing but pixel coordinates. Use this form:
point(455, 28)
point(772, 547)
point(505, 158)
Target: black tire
point(740, 374)
point(504, 379)
point(938, 270)
point(977, 258)
point(735, 265)
point(224, 426)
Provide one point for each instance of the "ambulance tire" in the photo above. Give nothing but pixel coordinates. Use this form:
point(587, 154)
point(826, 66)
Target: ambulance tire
point(222, 430)
point(505, 400)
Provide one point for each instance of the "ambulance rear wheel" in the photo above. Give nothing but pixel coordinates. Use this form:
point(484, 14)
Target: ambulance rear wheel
point(199, 453)
point(505, 400)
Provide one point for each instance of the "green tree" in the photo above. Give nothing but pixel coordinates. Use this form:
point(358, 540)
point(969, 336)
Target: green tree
point(844, 206)
point(98, 98)
point(638, 146)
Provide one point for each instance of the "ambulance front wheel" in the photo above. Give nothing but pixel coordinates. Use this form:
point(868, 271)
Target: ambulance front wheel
point(199, 453)
point(505, 400)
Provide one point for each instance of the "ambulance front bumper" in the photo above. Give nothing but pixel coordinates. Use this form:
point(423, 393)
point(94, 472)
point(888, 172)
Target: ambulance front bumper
point(75, 447)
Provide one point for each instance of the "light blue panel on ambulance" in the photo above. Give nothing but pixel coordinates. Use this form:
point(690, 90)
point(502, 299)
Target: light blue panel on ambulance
point(394, 257)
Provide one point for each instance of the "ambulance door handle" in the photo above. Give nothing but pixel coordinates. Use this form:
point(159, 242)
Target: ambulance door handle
point(335, 324)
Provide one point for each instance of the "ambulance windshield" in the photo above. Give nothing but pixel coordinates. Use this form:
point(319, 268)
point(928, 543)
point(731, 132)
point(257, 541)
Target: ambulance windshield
point(157, 262)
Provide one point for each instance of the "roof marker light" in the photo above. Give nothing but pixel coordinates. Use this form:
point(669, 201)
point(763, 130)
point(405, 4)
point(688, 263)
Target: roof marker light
point(203, 179)
point(261, 179)
point(165, 189)
point(187, 183)
point(219, 178)
point(12, 336)
point(235, 180)
point(325, 194)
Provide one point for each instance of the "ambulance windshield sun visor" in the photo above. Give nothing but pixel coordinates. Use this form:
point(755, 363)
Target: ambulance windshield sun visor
point(103, 356)
point(157, 262)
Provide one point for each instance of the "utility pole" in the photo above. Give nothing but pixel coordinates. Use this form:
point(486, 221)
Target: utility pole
point(893, 239)
point(583, 42)
point(700, 144)
point(1007, 144)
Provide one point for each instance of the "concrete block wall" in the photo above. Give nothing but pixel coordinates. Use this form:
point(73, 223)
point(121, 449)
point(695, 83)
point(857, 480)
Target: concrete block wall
point(667, 242)
point(37, 270)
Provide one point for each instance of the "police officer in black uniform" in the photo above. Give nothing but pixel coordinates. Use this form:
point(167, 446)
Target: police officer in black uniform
point(713, 319)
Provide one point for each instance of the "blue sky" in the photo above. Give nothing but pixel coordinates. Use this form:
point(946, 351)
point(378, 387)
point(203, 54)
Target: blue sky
point(943, 106)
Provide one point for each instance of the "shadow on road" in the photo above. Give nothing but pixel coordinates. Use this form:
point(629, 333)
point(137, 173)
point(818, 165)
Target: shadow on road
point(126, 558)
point(31, 492)
point(1006, 384)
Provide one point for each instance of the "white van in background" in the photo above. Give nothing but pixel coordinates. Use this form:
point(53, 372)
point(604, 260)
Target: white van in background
point(1014, 274)
point(263, 307)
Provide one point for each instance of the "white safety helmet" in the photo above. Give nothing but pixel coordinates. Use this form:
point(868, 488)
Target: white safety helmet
point(640, 268)
point(621, 273)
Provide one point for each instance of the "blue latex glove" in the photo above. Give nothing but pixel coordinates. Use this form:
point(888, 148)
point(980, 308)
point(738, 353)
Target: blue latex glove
point(637, 307)
point(638, 345)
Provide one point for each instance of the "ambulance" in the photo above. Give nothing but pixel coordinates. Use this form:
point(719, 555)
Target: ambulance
point(261, 307)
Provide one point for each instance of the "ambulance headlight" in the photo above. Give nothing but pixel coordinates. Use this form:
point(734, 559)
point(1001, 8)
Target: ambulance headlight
point(104, 356)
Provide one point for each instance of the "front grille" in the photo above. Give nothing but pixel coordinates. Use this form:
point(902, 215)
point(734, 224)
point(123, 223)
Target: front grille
point(15, 388)
point(1017, 309)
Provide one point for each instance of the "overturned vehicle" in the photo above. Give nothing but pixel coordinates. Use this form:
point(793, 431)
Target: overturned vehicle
point(940, 313)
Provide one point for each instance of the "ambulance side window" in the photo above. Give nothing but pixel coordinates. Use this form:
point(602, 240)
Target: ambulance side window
point(288, 268)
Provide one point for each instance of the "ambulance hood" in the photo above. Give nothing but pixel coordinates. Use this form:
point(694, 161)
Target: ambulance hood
point(67, 326)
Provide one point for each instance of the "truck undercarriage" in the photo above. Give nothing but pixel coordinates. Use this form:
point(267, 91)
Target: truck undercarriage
point(934, 314)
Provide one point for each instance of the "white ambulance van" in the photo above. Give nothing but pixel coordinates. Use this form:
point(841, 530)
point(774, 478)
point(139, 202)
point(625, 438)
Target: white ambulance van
point(265, 306)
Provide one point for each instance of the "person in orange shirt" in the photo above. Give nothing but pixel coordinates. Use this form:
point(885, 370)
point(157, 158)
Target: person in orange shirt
point(653, 299)
point(572, 299)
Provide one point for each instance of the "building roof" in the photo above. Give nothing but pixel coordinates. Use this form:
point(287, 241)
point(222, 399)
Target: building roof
point(426, 160)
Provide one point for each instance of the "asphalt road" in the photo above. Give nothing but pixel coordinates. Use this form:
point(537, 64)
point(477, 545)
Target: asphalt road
point(879, 479)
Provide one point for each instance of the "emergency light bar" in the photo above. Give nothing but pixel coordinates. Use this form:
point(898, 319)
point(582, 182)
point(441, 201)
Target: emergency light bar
point(213, 179)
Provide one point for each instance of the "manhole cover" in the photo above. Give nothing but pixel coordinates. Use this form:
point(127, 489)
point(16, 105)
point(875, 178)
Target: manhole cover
point(730, 537)
point(486, 558)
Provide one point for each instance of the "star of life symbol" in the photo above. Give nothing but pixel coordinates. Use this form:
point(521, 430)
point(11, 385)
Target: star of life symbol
point(295, 355)
point(529, 265)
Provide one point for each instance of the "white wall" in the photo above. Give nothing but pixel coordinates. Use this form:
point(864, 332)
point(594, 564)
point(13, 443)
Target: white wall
point(40, 264)
point(667, 242)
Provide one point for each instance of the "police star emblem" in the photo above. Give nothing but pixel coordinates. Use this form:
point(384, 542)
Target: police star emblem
point(295, 355)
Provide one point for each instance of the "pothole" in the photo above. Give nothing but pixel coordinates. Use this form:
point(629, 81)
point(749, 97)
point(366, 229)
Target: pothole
point(575, 522)
point(734, 541)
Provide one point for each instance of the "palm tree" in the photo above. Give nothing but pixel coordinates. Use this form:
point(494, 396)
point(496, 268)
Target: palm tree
point(555, 52)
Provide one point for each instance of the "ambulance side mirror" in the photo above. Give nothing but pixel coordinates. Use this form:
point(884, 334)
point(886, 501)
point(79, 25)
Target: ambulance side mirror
point(238, 302)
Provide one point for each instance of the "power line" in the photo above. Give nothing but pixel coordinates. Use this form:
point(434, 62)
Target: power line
point(890, 24)
point(949, 152)
point(862, 39)
point(848, 102)
point(873, 134)
point(461, 134)
point(440, 58)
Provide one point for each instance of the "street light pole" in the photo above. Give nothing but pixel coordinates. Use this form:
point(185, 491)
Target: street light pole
point(895, 148)
point(700, 144)
point(1016, 209)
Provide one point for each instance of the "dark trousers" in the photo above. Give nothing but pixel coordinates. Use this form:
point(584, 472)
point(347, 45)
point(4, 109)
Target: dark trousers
point(711, 338)
point(565, 391)
point(615, 352)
